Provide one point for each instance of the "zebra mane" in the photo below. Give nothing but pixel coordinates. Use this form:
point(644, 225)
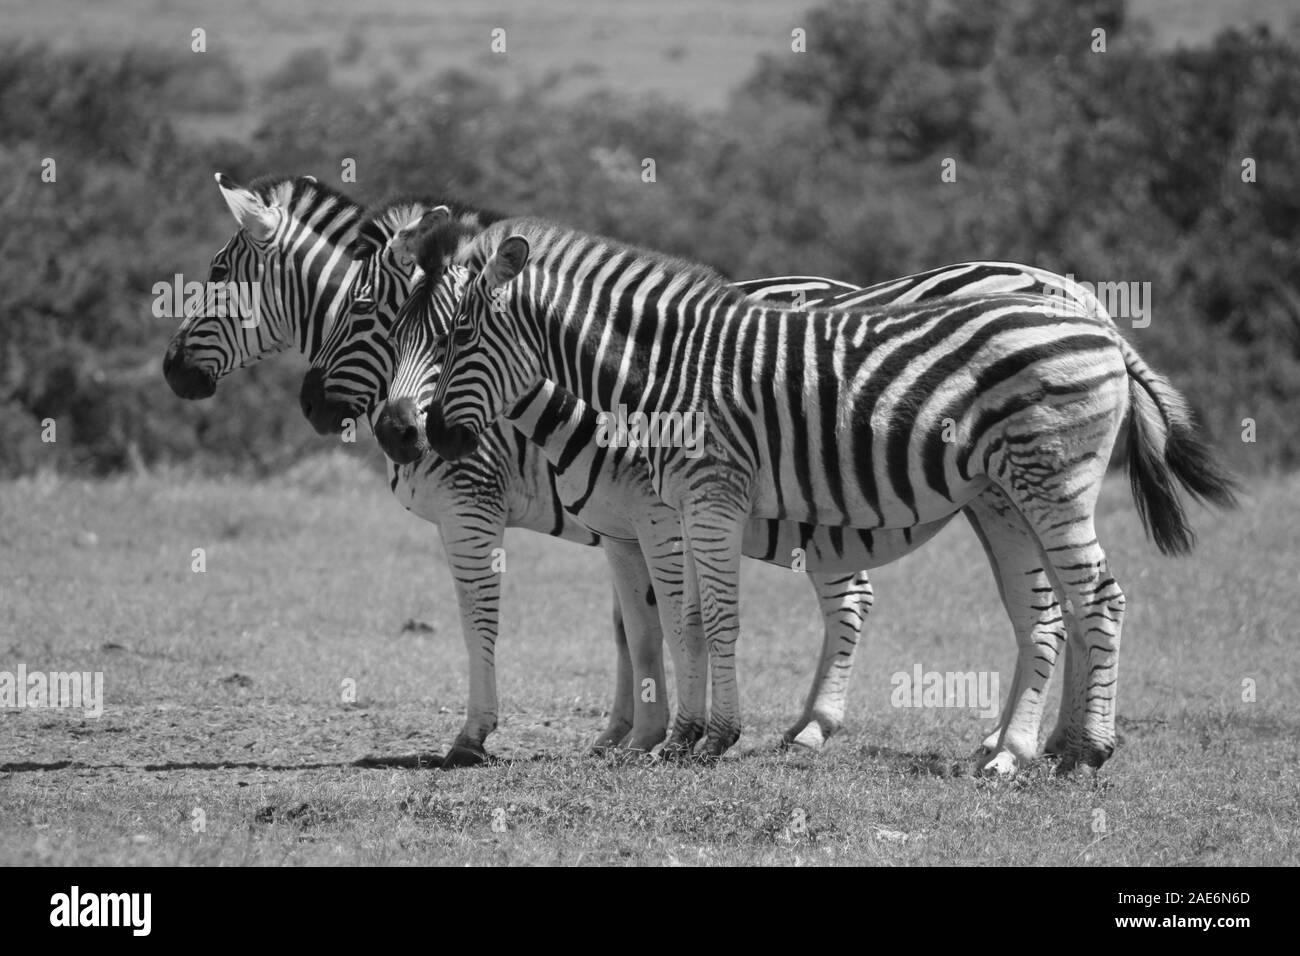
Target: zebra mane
point(435, 246)
point(297, 192)
point(303, 197)
point(545, 237)
point(384, 220)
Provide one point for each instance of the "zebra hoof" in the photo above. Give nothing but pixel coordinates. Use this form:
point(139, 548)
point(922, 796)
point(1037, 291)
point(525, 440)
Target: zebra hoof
point(676, 749)
point(1087, 755)
point(626, 756)
point(1056, 743)
point(611, 738)
point(808, 737)
point(714, 747)
point(1093, 755)
point(643, 745)
point(1066, 765)
point(1003, 763)
point(464, 755)
point(682, 740)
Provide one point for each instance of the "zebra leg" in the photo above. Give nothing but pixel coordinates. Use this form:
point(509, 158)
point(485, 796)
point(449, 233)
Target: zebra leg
point(471, 552)
point(679, 616)
point(645, 643)
point(1094, 603)
point(620, 713)
point(1095, 618)
point(845, 602)
point(713, 532)
point(1030, 602)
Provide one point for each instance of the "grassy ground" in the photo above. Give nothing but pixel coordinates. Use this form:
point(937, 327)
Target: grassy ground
point(690, 50)
point(223, 695)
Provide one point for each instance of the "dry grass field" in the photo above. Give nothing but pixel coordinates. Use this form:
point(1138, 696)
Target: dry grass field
point(225, 738)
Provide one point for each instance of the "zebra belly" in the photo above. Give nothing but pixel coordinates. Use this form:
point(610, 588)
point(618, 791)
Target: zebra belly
point(848, 507)
point(604, 520)
point(832, 549)
point(618, 499)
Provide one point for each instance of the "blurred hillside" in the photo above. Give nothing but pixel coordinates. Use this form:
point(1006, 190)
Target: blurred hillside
point(1115, 166)
point(691, 50)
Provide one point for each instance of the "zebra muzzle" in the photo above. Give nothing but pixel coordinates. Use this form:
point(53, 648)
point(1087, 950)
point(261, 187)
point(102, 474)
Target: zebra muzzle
point(399, 431)
point(185, 378)
point(325, 412)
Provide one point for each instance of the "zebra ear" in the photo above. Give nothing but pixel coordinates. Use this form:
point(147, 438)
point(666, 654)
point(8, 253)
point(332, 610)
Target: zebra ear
point(437, 216)
point(248, 209)
point(414, 243)
point(507, 262)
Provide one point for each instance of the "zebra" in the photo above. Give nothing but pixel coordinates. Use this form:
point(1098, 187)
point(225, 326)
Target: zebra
point(304, 243)
point(884, 419)
point(1033, 610)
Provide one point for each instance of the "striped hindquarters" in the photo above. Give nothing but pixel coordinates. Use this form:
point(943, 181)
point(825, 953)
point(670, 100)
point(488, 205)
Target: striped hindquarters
point(888, 418)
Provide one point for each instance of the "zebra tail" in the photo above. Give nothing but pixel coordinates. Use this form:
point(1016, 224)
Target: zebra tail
point(1165, 449)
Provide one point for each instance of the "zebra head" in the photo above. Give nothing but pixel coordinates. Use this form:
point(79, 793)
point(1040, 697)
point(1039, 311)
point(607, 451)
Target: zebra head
point(276, 282)
point(424, 319)
point(485, 362)
point(350, 376)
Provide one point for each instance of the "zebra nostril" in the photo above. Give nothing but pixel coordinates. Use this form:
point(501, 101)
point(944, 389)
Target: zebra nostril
point(311, 395)
point(185, 379)
point(410, 435)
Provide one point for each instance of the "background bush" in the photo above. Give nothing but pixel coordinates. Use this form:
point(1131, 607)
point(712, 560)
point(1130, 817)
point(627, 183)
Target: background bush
point(1122, 166)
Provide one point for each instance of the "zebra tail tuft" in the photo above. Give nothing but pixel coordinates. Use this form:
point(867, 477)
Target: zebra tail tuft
point(1165, 451)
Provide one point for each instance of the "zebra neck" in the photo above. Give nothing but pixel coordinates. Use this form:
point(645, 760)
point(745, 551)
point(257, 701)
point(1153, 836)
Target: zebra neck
point(626, 360)
point(555, 420)
point(326, 295)
point(306, 283)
